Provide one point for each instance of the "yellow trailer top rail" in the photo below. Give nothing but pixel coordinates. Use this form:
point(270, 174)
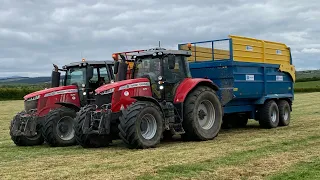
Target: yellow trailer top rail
point(243, 49)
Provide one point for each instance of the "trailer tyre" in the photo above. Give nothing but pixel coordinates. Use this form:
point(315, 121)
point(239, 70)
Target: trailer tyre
point(23, 140)
point(202, 115)
point(284, 113)
point(58, 127)
point(88, 140)
point(269, 115)
point(141, 125)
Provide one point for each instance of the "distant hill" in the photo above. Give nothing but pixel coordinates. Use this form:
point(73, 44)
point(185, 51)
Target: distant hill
point(304, 75)
point(25, 80)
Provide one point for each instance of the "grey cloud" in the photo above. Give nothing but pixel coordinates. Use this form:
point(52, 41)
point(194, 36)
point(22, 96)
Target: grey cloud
point(36, 33)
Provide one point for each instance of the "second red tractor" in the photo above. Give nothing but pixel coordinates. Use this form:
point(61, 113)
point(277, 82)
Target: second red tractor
point(160, 98)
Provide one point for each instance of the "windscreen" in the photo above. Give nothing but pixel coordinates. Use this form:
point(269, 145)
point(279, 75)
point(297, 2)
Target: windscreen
point(75, 75)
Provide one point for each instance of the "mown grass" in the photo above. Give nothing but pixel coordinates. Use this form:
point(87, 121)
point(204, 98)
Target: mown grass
point(290, 152)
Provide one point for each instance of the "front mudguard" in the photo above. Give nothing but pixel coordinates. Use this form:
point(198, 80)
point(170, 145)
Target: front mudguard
point(25, 124)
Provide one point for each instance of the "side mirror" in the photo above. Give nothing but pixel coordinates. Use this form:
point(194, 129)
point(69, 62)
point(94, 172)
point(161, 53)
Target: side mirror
point(89, 73)
point(171, 61)
point(116, 67)
point(55, 79)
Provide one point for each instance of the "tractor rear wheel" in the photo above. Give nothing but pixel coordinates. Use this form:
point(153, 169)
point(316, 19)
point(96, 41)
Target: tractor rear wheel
point(88, 140)
point(284, 113)
point(23, 140)
point(58, 127)
point(141, 125)
point(269, 115)
point(202, 114)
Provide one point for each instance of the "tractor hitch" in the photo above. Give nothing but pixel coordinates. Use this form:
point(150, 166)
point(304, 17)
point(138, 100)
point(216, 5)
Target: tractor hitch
point(97, 122)
point(25, 125)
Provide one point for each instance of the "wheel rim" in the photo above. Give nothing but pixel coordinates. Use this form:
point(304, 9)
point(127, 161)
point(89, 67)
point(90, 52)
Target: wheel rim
point(286, 114)
point(206, 114)
point(273, 115)
point(65, 129)
point(148, 126)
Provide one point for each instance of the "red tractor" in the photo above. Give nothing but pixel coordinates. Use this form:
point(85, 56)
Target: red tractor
point(49, 114)
point(160, 98)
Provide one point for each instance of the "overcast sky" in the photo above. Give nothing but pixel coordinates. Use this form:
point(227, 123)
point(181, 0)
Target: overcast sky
point(36, 33)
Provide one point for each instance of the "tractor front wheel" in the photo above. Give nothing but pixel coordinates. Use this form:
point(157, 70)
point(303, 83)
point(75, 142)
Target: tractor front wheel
point(58, 127)
point(88, 140)
point(202, 115)
point(141, 125)
point(24, 140)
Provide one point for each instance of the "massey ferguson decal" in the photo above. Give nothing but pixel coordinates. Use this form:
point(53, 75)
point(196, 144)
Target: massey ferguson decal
point(134, 85)
point(61, 92)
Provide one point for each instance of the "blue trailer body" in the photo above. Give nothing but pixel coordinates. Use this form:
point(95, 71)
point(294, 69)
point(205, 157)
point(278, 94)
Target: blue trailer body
point(244, 86)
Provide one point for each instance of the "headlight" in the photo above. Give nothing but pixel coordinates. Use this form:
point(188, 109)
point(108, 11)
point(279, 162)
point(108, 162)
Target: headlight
point(34, 98)
point(107, 91)
point(84, 93)
point(161, 87)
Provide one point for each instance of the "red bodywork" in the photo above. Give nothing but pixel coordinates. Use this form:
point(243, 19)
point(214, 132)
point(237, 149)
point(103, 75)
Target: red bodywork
point(124, 90)
point(186, 86)
point(48, 98)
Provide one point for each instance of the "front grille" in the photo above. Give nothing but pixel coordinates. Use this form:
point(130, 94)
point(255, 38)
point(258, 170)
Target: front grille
point(103, 99)
point(31, 104)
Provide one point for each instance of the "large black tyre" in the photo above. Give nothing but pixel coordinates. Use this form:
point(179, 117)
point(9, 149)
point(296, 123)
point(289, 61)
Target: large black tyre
point(88, 140)
point(269, 115)
point(58, 127)
point(131, 120)
point(202, 114)
point(23, 140)
point(284, 113)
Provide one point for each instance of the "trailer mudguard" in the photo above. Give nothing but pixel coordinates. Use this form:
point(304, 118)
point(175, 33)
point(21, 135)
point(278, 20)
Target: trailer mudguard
point(189, 84)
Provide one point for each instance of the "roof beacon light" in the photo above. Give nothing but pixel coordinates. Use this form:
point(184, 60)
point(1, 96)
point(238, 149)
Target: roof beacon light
point(115, 57)
point(189, 46)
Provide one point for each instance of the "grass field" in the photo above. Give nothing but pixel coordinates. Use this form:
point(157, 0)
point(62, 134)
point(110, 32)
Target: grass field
point(309, 84)
point(291, 152)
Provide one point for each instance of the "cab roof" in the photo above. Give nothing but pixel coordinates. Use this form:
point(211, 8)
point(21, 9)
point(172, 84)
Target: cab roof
point(91, 62)
point(150, 52)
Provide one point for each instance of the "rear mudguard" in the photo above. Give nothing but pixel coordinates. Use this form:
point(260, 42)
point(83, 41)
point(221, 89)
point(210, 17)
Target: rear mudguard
point(189, 84)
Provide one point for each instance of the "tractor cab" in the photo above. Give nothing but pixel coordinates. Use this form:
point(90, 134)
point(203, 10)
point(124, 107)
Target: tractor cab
point(86, 75)
point(165, 69)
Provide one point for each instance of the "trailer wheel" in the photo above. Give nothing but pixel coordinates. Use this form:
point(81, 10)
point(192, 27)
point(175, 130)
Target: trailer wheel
point(141, 125)
point(23, 140)
point(58, 127)
point(88, 140)
point(202, 115)
point(269, 115)
point(284, 113)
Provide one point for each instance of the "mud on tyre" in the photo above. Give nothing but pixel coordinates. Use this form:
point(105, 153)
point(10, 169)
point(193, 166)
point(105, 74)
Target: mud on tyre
point(141, 125)
point(58, 127)
point(202, 114)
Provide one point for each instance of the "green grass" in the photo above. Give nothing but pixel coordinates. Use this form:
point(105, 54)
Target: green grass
point(309, 84)
point(249, 153)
